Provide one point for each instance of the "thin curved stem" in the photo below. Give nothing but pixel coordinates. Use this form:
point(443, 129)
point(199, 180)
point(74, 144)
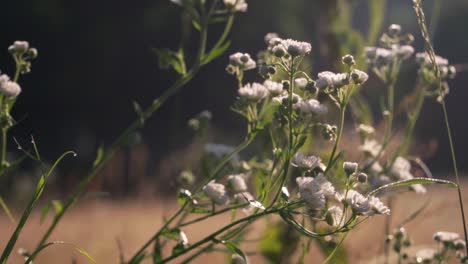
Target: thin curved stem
point(338, 138)
point(213, 235)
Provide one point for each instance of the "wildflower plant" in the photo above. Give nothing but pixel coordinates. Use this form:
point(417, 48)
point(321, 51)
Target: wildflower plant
point(319, 192)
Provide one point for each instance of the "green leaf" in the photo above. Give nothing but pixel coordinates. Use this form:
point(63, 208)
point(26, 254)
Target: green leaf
point(199, 210)
point(196, 25)
point(77, 248)
point(99, 156)
point(32, 202)
point(169, 59)
point(412, 182)
point(177, 249)
point(7, 211)
point(300, 142)
point(216, 52)
point(183, 196)
point(58, 207)
point(235, 249)
point(220, 19)
point(173, 234)
point(157, 253)
point(376, 17)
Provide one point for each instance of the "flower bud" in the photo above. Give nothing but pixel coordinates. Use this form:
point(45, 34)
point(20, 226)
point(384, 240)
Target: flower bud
point(311, 87)
point(19, 47)
point(186, 178)
point(32, 53)
point(271, 70)
point(459, 244)
point(294, 50)
point(230, 69)
point(362, 177)
point(407, 39)
point(400, 233)
point(286, 85)
point(394, 30)
point(244, 58)
point(350, 167)
point(388, 239)
point(279, 51)
point(348, 60)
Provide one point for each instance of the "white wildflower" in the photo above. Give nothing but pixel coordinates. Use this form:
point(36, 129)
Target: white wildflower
point(350, 167)
point(426, 255)
point(295, 48)
point(238, 259)
point(443, 236)
point(359, 77)
point(183, 240)
point(270, 36)
point(340, 79)
point(358, 203)
point(243, 61)
point(307, 162)
point(312, 106)
point(365, 130)
point(253, 92)
point(275, 88)
point(332, 80)
point(403, 51)
point(301, 83)
point(237, 183)
point(236, 5)
point(377, 207)
point(424, 59)
point(334, 216)
point(19, 46)
point(283, 99)
point(217, 192)
point(325, 79)
point(315, 190)
point(400, 166)
point(371, 147)
point(8, 87)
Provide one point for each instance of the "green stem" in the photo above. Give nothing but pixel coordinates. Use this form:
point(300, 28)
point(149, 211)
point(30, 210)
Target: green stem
point(338, 138)
point(3, 149)
point(455, 169)
point(155, 236)
point(417, 6)
point(330, 257)
point(196, 220)
point(37, 194)
point(213, 235)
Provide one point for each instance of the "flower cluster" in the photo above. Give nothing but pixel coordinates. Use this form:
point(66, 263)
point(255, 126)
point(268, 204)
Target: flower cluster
point(236, 5)
point(235, 191)
point(8, 87)
point(449, 245)
point(394, 48)
point(23, 54)
point(428, 75)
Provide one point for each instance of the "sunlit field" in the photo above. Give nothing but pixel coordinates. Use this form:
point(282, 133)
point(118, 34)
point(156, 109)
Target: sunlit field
point(99, 227)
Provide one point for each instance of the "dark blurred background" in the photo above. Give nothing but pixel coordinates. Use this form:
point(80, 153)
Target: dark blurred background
point(95, 58)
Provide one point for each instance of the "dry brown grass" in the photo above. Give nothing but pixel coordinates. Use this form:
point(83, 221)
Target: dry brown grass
point(95, 226)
